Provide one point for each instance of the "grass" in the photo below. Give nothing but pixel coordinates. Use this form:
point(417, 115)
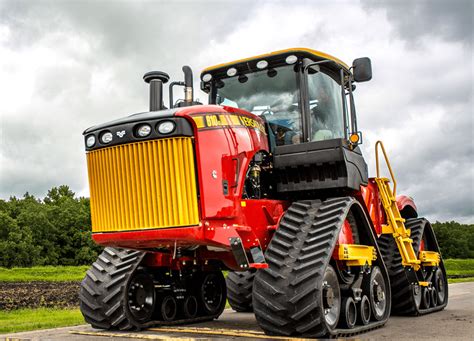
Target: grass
point(43, 273)
point(464, 267)
point(460, 280)
point(31, 319)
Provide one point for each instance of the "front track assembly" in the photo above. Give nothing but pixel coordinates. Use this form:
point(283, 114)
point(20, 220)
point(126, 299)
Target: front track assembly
point(302, 292)
point(119, 294)
point(408, 297)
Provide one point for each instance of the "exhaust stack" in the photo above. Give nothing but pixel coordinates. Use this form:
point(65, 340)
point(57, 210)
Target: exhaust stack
point(188, 85)
point(156, 79)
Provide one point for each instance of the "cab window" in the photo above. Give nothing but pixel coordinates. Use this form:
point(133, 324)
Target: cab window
point(325, 104)
point(271, 94)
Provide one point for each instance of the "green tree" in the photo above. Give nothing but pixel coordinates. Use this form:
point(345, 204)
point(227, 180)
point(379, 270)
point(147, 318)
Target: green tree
point(16, 245)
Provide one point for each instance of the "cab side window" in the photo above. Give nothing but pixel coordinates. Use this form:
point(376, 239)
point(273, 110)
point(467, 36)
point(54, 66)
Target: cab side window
point(325, 104)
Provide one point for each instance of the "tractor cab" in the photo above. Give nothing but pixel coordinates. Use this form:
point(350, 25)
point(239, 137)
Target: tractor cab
point(303, 96)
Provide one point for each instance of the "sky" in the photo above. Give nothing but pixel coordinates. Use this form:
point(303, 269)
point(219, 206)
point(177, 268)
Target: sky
point(68, 65)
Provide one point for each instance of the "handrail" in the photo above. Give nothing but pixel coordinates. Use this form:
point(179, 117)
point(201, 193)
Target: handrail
point(379, 143)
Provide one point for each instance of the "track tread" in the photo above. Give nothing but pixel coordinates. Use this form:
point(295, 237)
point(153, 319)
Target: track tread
point(239, 290)
point(102, 290)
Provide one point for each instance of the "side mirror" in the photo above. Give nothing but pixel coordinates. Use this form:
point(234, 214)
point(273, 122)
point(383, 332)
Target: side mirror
point(362, 69)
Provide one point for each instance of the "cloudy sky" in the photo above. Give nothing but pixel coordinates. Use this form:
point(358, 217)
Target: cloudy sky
point(67, 65)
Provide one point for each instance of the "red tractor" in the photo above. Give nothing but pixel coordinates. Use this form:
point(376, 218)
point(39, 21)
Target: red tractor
point(267, 182)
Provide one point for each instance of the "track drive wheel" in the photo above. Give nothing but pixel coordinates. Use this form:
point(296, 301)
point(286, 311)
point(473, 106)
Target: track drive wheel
point(239, 290)
point(109, 286)
point(213, 293)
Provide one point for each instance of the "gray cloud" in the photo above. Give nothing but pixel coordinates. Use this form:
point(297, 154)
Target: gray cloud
point(415, 20)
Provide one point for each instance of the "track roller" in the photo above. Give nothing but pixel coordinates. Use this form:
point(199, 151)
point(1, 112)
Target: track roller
point(425, 297)
point(348, 317)
point(169, 308)
point(364, 311)
point(190, 307)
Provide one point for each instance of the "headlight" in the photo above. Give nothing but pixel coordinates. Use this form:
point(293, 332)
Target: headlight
point(106, 137)
point(144, 130)
point(166, 127)
point(90, 141)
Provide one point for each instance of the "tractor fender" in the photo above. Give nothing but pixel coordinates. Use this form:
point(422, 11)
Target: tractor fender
point(406, 206)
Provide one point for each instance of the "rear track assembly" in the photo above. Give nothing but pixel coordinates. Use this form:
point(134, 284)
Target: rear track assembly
point(405, 296)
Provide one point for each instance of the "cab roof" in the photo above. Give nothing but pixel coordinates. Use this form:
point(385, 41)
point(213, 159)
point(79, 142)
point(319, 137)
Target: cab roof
point(299, 51)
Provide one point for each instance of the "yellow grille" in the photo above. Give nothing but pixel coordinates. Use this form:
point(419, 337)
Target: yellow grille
point(143, 185)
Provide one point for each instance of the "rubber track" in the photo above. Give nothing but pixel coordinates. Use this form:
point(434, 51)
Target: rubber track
point(403, 302)
point(286, 296)
point(239, 290)
point(102, 298)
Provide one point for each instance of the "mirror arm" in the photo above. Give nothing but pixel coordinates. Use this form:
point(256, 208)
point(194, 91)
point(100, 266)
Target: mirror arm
point(344, 104)
point(353, 108)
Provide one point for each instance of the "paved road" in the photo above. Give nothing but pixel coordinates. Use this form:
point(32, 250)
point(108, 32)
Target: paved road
point(455, 322)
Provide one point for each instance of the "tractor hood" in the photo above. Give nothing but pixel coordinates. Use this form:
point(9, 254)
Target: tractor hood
point(138, 117)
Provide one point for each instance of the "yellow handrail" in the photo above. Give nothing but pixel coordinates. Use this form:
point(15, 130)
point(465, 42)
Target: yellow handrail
point(379, 143)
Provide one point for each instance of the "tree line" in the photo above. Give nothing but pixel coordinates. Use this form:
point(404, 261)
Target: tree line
point(56, 230)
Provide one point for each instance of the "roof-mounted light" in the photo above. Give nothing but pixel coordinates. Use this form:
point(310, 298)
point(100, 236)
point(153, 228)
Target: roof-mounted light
point(291, 59)
point(207, 77)
point(231, 72)
point(262, 64)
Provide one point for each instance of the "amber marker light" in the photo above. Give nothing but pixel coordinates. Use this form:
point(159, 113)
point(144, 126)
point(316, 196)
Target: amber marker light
point(354, 138)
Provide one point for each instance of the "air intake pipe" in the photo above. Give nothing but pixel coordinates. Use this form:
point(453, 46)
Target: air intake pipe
point(188, 85)
point(156, 79)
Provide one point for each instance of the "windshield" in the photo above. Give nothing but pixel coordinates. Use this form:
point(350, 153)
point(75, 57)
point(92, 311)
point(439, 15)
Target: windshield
point(272, 94)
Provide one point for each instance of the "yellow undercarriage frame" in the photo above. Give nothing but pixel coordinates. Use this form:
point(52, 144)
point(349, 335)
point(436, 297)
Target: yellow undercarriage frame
point(395, 222)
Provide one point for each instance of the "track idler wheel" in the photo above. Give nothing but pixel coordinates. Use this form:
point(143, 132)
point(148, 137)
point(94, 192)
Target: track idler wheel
point(364, 311)
point(213, 293)
point(440, 285)
point(331, 297)
point(169, 308)
point(376, 290)
point(190, 307)
point(141, 296)
point(348, 313)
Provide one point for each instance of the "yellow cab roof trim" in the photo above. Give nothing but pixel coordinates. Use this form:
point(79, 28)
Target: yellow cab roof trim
point(266, 55)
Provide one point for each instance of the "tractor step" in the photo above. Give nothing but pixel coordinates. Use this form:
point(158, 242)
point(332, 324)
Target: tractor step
point(241, 258)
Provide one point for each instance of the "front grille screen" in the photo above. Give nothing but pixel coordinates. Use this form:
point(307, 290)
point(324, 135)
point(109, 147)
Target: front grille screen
point(144, 185)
